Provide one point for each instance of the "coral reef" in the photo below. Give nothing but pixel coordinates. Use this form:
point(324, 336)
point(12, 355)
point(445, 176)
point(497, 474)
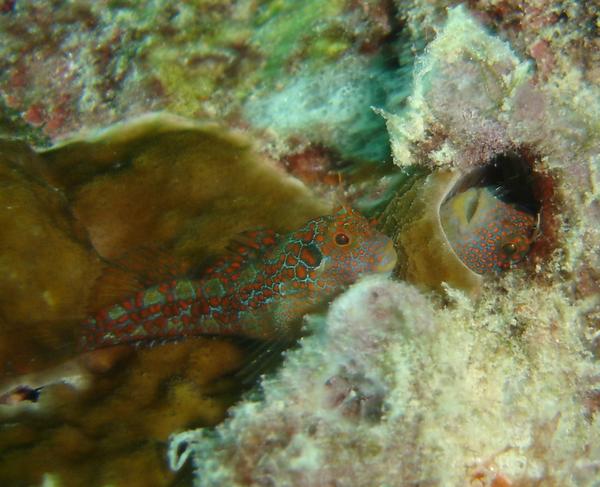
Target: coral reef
point(439, 376)
point(451, 123)
point(558, 36)
point(400, 385)
point(453, 389)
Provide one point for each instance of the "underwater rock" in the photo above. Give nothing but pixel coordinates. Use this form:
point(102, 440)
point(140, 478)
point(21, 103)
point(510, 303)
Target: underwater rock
point(310, 421)
point(559, 37)
point(67, 66)
point(477, 106)
point(450, 118)
point(460, 387)
point(412, 219)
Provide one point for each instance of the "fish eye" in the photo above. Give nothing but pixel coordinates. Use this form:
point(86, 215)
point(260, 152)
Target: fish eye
point(509, 248)
point(342, 238)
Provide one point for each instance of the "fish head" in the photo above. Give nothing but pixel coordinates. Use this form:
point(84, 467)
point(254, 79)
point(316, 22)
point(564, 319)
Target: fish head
point(512, 249)
point(349, 247)
point(486, 232)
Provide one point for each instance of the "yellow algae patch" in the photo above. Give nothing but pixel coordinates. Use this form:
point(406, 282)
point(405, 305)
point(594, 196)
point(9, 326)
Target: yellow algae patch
point(413, 221)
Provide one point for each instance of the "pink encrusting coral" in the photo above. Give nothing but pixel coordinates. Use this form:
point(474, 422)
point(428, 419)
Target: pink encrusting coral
point(395, 390)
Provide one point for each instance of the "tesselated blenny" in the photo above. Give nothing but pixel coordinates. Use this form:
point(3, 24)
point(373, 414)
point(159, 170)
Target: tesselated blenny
point(261, 292)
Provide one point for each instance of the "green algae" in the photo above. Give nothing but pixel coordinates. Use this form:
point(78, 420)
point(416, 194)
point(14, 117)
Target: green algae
point(202, 59)
point(11, 124)
point(256, 44)
point(309, 30)
point(331, 106)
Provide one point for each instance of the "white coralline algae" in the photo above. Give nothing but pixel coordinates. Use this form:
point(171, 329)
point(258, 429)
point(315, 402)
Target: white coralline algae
point(398, 389)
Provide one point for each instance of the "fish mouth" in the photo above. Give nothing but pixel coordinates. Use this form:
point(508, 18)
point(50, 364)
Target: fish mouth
point(388, 258)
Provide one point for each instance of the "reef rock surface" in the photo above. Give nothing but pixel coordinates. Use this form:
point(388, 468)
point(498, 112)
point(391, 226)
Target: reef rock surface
point(402, 386)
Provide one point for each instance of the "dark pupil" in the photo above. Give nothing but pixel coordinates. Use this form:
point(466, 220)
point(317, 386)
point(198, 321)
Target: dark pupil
point(342, 239)
point(510, 248)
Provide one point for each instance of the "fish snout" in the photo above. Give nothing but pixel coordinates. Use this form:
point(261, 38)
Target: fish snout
point(387, 258)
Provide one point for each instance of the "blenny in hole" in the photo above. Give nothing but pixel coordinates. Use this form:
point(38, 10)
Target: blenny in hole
point(487, 233)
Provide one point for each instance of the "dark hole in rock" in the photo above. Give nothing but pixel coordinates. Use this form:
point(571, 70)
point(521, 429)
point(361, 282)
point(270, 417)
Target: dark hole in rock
point(511, 176)
point(181, 448)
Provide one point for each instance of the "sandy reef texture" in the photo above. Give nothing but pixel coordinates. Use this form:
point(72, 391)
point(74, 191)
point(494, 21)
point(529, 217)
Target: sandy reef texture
point(402, 386)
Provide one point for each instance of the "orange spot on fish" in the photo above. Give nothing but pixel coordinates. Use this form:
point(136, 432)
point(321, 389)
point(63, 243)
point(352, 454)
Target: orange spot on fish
point(301, 272)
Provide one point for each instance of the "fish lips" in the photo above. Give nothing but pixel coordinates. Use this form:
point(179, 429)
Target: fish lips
point(388, 258)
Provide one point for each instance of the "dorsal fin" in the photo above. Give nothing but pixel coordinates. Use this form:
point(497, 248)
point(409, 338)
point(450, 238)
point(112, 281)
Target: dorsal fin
point(112, 286)
point(134, 272)
point(245, 246)
point(154, 265)
point(252, 243)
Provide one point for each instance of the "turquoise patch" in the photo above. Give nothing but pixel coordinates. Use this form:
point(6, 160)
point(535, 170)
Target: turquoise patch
point(184, 290)
point(116, 312)
point(153, 296)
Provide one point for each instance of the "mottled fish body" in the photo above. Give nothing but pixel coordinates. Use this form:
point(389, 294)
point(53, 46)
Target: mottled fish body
point(261, 292)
